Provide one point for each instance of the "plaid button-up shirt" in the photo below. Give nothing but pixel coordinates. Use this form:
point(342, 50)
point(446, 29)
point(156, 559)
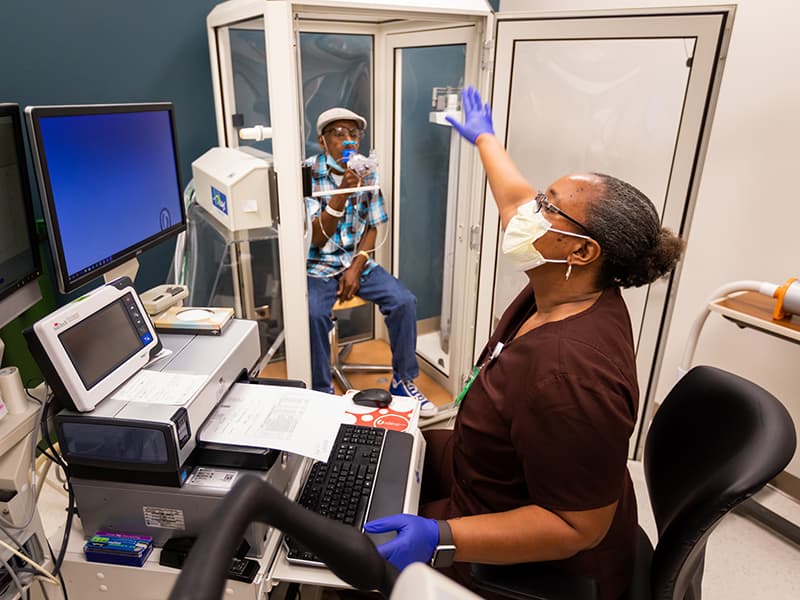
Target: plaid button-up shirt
point(362, 210)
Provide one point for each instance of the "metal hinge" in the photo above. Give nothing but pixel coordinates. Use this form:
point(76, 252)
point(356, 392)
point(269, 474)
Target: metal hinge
point(474, 237)
point(487, 62)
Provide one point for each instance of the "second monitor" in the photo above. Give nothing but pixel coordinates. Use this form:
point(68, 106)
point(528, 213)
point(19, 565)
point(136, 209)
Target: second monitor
point(109, 181)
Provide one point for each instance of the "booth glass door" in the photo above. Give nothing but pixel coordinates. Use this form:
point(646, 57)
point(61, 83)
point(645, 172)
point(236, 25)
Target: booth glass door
point(430, 248)
point(248, 269)
point(253, 69)
point(630, 96)
point(336, 69)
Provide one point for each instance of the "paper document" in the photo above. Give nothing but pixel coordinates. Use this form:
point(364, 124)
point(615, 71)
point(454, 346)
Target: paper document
point(296, 420)
point(162, 354)
point(156, 387)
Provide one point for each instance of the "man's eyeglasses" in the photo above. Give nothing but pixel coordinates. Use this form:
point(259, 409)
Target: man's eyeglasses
point(543, 203)
point(343, 132)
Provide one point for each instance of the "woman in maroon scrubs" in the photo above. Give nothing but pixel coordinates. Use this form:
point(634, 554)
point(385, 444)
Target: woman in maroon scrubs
point(535, 467)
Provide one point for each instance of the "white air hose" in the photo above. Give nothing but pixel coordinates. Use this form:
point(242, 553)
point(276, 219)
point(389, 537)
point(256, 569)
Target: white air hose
point(762, 287)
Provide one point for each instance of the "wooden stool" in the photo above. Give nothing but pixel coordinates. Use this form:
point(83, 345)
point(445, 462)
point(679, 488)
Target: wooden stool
point(340, 351)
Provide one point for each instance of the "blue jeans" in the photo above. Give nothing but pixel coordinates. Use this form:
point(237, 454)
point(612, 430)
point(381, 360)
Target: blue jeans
point(397, 305)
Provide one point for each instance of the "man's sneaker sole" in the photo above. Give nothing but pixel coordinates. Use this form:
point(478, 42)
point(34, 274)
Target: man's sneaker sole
point(428, 412)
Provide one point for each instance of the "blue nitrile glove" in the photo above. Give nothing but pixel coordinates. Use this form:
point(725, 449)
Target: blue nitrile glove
point(416, 539)
point(477, 116)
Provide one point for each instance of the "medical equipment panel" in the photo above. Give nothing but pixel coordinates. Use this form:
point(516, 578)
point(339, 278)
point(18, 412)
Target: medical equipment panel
point(127, 439)
point(237, 187)
point(94, 344)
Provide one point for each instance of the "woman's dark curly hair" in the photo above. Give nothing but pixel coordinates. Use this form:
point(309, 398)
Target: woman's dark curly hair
point(636, 249)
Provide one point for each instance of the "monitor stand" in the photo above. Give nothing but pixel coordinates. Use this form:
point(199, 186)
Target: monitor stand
point(129, 269)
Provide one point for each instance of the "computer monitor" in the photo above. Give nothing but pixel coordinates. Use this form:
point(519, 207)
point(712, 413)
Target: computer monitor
point(19, 253)
point(110, 184)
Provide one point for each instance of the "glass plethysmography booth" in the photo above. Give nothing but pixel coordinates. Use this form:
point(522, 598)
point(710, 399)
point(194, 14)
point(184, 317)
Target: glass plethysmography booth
point(627, 92)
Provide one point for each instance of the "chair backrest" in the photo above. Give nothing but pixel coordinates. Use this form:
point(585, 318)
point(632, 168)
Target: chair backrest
point(715, 441)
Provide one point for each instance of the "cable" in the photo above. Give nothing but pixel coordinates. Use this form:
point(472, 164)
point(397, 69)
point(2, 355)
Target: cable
point(179, 257)
point(353, 254)
point(63, 586)
point(11, 536)
point(70, 495)
point(35, 565)
point(190, 259)
point(60, 576)
point(23, 570)
point(52, 455)
point(67, 528)
point(43, 590)
point(47, 454)
point(14, 577)
point(28, 393)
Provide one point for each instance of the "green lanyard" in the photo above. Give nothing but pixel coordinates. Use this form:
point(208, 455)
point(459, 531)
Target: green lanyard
point(474, 374)
point(475, 370)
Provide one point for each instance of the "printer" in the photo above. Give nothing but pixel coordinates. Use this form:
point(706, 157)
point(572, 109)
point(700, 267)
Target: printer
point(136, 467)
point(127, 440)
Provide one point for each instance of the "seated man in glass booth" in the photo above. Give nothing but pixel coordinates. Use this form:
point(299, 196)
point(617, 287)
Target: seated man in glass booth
point(339, 266)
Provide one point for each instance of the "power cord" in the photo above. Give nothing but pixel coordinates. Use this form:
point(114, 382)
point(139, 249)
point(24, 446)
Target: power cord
point(36, 566)
point(70, 492)
point(9, 568)
point(32, 563)
point(14, 577)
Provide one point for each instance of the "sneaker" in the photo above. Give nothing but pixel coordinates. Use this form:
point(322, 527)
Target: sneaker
point(408, 388)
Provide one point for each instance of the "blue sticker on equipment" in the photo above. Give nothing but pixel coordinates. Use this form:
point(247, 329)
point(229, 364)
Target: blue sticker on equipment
point(219, 200)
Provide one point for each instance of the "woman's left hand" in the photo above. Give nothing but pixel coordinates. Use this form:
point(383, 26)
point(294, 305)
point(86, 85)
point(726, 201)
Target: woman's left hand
point(416, 539)
point(477, 116)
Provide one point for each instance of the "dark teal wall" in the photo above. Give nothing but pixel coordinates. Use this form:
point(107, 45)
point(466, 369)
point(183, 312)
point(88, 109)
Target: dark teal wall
point(107, 51)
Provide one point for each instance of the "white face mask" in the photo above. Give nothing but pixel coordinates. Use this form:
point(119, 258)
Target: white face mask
point(331, 162)
point(523, 229)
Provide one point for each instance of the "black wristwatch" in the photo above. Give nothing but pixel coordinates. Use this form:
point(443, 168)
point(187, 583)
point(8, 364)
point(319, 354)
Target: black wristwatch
point(445, 553)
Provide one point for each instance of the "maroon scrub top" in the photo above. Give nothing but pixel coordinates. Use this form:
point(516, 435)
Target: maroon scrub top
point(547, 423)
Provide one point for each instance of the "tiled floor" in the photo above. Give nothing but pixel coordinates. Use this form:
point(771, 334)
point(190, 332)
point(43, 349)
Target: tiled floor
point(744, 560)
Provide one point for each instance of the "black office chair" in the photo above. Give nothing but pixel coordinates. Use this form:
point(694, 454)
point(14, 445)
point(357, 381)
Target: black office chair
point(715, 441)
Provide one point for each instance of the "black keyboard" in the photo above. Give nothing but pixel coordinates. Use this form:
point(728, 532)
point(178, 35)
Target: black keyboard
point(364, 479)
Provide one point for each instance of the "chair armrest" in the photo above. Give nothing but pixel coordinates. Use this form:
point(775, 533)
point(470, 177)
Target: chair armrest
point(533, 581)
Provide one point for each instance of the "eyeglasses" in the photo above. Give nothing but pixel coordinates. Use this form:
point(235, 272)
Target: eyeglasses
point(543, 203)
point(343, 132)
